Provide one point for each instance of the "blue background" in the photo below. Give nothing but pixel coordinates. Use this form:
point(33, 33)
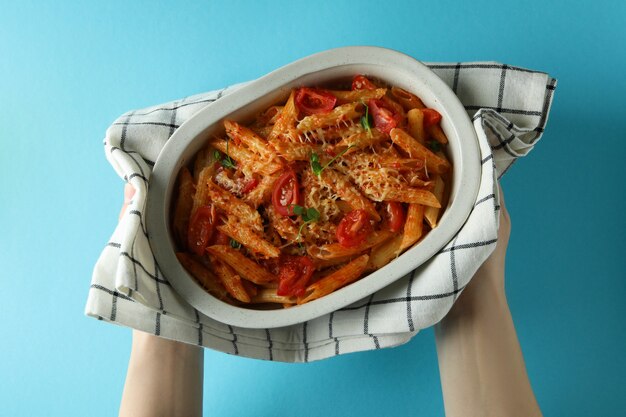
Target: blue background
point(68, 69)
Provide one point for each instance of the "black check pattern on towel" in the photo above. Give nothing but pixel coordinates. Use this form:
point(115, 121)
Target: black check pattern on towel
point(509, 108)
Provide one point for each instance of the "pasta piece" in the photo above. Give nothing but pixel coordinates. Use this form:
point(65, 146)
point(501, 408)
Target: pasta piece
point(201, 196)
point(285, 227)
point(339, 114)
point(397, 109)
point(437, 133)
point(335, 250)
point(262, 192)
point(268, 117)
point(251, 289)
point(183, 206)
point(411, 146)
point(358, 141)
point(416, 125)
point(348, 192)
point(432, 213)
point(413, 226)
point(327, 263)
point(248, 238)
point(241, 134)
point(286, 121)
point(203, 159)
point(291, 151)
point(233, 206)
point(407, 100)
point(412, 195)
point(399, 163)
point(344, 97)
point(340, 278)
point(385, 252)
point(244, 266)
point(263, 131)
point(231, 281)
point(249, 162)
point(268, 295)
point(204, 277)
point(331, 134)
point(380, 183)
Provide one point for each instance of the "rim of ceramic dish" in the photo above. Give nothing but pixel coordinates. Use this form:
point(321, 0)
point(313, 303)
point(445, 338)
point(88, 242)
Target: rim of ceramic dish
point(391, 66)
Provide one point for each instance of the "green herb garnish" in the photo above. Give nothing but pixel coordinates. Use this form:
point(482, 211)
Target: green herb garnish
point(315, 164)
point(317, 168)
point(308, 215)
point(226, 161)
point(433, 145)
point(234, 244)
point(365, 120)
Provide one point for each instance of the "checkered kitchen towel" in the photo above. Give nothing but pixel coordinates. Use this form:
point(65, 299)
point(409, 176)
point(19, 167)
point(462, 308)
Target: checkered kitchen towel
point(509, 107)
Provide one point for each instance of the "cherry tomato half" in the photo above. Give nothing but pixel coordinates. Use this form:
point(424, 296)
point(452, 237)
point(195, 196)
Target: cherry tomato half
point(294, 275)
point(385, 117)
point(360, 82)
point(286, 193)
point(314, 100)
point(431, 117)
point(353, 228)
point(395, 215)
point(201, 229)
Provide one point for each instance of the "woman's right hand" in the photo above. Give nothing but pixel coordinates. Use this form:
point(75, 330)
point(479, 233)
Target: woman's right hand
point(480, 361)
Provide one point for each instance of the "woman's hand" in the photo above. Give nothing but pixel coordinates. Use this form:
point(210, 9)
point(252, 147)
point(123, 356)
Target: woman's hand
point(490, 276)
point(480, 361)
point(164, 377)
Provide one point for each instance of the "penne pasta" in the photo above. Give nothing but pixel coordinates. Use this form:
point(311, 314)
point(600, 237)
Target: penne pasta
point(416, 125)
point(201, 196)
point(414, 149)
point(336, 250)
point(268, 117)
point(232, 206)
point(407, 100)
point(204, 159)
point(286, 120)
point(437, 133)
point(344, 97)
point(385, 252)
point(291, 151)
point(340, 278)
point(241, 134)
point(248, 238)
point(358, 141)
point(319, 189)
point(244, 266)
point(205, 277)
point(412, 195)
point(250, 162)
point(230, 280)
point(338, 115)
point(413, 227)
point(262, 192)
point(431, 214)
point(268, 295)
point(348, 192)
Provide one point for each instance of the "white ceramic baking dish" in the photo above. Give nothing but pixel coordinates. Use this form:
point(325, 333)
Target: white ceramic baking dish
point(393, 67)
